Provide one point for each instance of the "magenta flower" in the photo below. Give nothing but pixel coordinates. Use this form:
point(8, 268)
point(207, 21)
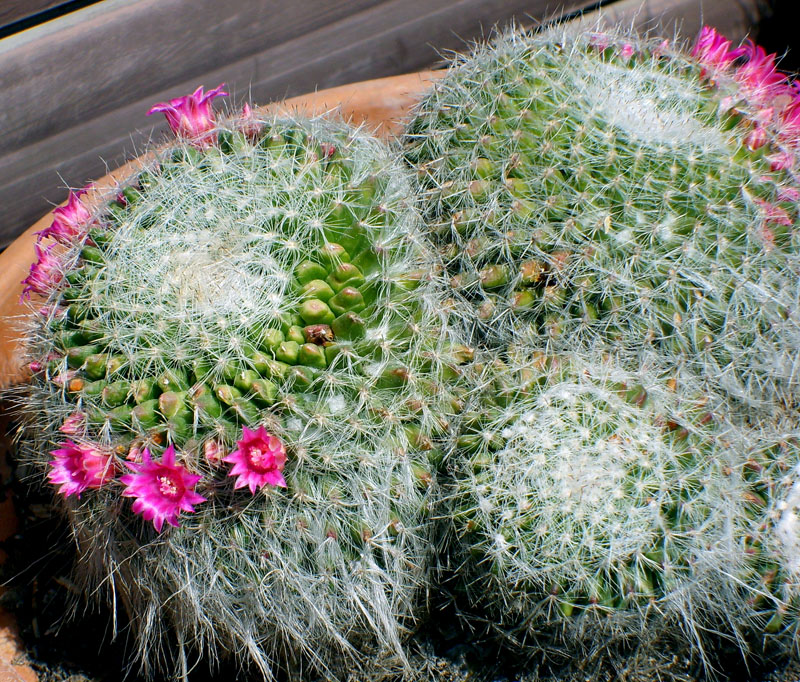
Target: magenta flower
point(191, 116)
point(35, 367)
point(76, 467)
point(627, 51)
point(69, 221)
point(760, 81)
point(259, 460)
point(162, 489)
point(789, 129)
point(45, 274)
point(714, 50)
point(73, 425)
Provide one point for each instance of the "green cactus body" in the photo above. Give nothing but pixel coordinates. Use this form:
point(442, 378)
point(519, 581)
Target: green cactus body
point(581, 193)
point(262, 281)
point(594, 507)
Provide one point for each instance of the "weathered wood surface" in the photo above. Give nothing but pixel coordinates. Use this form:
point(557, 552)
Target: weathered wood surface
point(18, 10)
point(75, 89)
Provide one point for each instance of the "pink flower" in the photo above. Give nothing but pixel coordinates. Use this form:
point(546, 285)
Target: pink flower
point(56, 312)
point(162, 489)
point(76, 467)
point(45, 274)
point(73, 425)
point(758, 77)
point(258, 461)
point(191, 116)
point(627, 51)
point(69, 221)
point(35, 367)
point(714, 50)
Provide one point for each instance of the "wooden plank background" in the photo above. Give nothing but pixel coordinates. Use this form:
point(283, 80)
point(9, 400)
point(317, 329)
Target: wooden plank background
point(75, 89)
point(18, 10)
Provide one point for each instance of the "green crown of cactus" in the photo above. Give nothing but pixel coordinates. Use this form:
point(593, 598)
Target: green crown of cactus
point(594, 507)
point(268, 282)
point(606, 188)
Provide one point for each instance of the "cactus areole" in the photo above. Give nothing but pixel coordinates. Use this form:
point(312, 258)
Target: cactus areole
point(603, 188)
point(244, 339)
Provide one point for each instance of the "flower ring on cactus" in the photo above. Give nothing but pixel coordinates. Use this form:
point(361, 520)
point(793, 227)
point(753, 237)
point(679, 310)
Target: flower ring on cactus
point(162, 489)
point(45, 275)
point(191, 116)
point(259, 460)
point(75, 467)
point(585, 195)
point(70, 221)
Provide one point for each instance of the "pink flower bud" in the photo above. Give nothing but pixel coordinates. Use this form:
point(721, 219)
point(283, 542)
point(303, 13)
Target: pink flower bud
point(213, 452)
point(774, 214)
point(74, 424)
point(662, 48)
point(191, 116)
point(62, 378)
point(248, 123)
point(756, 139)
point(788, 194)
point(781, 161)
point(45, 274)
point(71, 221)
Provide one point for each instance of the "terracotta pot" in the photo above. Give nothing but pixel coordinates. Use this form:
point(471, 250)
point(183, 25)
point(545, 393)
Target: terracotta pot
point(379, 104)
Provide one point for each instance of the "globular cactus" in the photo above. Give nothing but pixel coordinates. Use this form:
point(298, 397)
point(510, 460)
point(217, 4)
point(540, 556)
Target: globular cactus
point(599, 187)
point(246, 341)
point(596, 508)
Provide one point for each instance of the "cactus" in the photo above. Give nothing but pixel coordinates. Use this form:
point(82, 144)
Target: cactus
point(595, 507)
point(246, 341)
point(605, 188)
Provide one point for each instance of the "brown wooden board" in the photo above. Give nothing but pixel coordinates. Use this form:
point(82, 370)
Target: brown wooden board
point(79, 86)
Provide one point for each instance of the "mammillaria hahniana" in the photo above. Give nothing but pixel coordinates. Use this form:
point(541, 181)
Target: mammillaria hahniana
point(246, 340)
